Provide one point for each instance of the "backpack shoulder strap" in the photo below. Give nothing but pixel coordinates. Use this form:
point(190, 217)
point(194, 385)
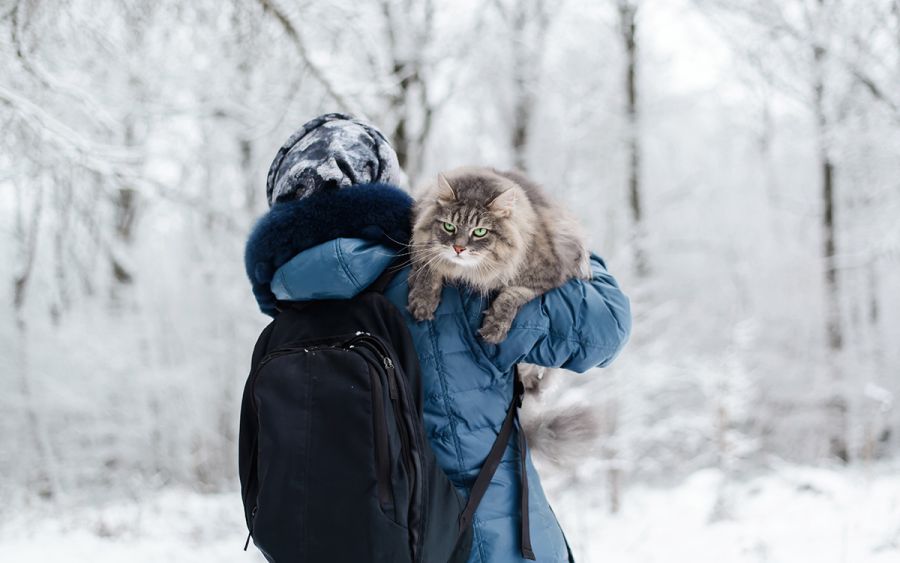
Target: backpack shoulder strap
point(382, 281)
point(493, 461)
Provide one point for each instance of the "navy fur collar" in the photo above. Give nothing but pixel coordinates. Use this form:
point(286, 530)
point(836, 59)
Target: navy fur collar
point(379, 212)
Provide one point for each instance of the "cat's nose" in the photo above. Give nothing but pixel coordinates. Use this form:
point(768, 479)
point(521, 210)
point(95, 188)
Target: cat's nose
point(458, 249)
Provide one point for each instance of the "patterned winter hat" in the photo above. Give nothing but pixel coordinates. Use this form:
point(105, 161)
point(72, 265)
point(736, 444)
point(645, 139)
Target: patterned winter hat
point(330, 152)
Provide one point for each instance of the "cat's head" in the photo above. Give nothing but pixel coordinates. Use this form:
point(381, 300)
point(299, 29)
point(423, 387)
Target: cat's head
point(474, 225)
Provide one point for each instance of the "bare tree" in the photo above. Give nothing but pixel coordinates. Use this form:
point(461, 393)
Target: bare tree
point(45, 476)
point(628, 29)
point(409, 28)
point(293, 32)
point(527, 24)
point(825, 55)
point(837, 403)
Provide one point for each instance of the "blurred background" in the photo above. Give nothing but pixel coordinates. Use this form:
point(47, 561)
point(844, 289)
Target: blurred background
point(736, 163)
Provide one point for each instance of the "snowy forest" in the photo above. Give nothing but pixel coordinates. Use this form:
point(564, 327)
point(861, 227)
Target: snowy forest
point(737, 164)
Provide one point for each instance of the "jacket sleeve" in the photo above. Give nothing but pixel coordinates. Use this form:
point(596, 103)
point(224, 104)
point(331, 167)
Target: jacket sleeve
point(581, 325)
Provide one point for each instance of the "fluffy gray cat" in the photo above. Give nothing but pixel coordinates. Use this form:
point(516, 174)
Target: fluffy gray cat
point(497, 232)
point(494, 231)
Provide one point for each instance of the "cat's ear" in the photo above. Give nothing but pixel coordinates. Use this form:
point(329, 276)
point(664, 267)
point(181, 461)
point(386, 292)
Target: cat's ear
point(503, 204)
point(445, 193)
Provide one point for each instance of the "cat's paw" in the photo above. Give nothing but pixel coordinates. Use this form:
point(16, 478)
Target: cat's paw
point(422, 308)
point(495, 328)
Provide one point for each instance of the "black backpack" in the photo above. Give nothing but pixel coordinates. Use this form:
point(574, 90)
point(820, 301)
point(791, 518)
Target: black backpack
point(334, 462)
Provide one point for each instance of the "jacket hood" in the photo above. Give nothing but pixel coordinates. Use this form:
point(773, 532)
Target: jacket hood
point(374, 213)
point(337, 269)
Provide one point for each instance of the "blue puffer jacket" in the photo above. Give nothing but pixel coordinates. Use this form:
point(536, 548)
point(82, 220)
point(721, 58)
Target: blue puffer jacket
point(467, 382)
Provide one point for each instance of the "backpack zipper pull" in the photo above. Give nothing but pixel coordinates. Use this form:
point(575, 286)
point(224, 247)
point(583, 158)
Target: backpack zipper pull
point(392, 385)
point(250, 533)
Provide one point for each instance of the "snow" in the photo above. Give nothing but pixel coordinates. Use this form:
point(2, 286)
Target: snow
point(175, 526)
point(793, 515)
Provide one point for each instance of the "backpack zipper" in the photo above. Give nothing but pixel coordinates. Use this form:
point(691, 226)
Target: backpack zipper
point(275, 354)
point(398, 393)
point(382, 452)
point(381, 351)
point(375, 346)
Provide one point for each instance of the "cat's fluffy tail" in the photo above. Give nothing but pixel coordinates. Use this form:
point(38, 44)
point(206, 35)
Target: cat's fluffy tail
point(561, 435)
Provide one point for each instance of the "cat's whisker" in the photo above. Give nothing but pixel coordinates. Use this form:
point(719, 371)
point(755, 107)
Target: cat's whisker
point(436, 254)
point(382, 253)
point(395, 241)
point(421, 269)
point(400, 266)
point(409, 249)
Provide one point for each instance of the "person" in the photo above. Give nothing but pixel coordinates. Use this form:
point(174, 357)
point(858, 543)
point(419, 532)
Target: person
point(337, 220)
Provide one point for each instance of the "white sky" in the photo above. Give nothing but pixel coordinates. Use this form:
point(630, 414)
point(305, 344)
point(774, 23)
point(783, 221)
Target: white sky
point(683, 44)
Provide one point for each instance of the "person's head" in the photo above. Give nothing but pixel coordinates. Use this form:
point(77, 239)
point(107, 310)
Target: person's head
point(335, 177)
point(331, 152)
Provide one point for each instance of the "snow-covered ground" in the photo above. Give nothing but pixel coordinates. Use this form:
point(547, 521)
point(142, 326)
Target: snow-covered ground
point(168, 527)
point(796, 515)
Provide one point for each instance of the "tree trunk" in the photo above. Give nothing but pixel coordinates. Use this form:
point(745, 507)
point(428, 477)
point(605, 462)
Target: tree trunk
point(125, 204)
point(833, 321)
point(769, 172)
point(528, 22)
point(399, 134)
point(408, 31)
point(522, 111)
point(836, 406)
point(628, 27)
point(611, 451)
point(874, 314)
point(882, 433)
point(523, 94)
point(245, 147)
point(43, 477)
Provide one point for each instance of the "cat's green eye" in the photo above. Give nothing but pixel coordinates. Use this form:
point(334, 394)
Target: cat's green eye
point(450, 227)
point(479, 232)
